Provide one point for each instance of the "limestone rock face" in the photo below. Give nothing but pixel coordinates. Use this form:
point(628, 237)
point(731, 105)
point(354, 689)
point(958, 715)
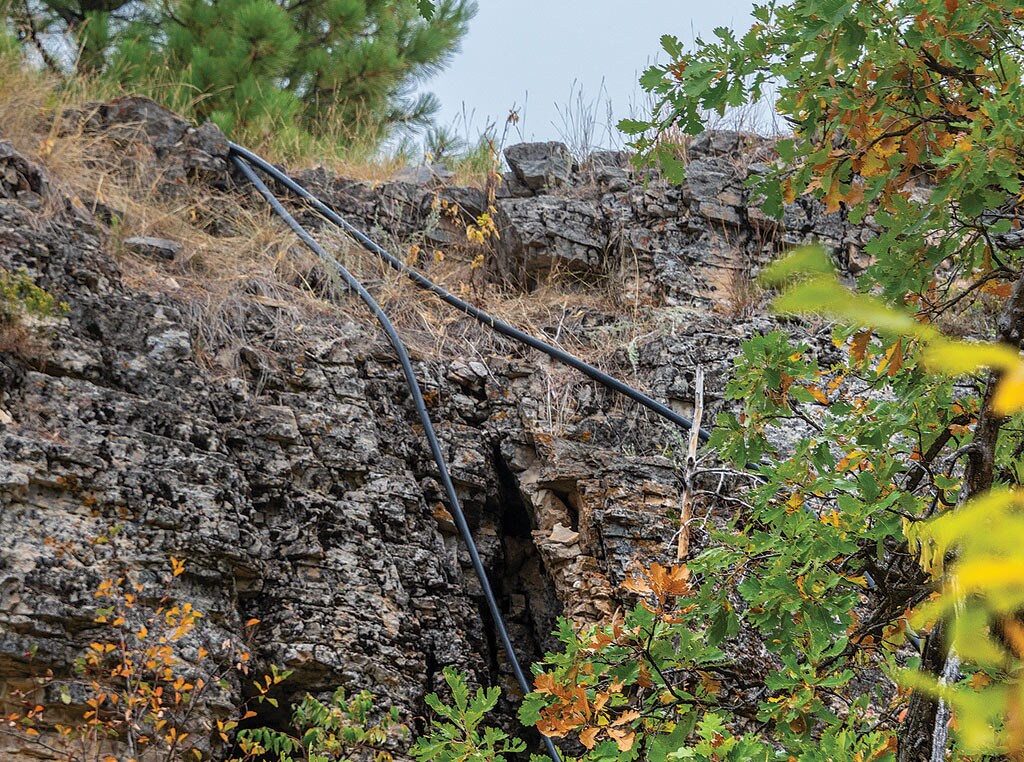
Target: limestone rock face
point(540, 166)
point(547, 235)
point(19, 176)
point(298, 491)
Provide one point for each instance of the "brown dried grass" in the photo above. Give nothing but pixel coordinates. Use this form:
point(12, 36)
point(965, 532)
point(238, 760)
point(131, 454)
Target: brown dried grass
point(243, 279)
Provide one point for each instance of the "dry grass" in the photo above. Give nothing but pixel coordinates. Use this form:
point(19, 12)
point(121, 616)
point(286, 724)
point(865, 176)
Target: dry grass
point(244, 281)
point(239, 267)
point(26, 105)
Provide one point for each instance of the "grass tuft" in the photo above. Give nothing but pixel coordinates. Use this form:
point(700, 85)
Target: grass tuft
point(246, 284)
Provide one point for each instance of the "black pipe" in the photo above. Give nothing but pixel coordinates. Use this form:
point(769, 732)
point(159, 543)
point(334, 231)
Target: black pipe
point(489, 320)
point(424, 416)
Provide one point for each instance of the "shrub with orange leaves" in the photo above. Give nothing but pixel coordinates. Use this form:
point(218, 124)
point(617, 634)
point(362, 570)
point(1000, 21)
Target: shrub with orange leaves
point(139, 689)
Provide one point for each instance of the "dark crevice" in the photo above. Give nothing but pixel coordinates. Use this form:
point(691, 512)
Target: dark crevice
point(528, 594)
point(525, 594)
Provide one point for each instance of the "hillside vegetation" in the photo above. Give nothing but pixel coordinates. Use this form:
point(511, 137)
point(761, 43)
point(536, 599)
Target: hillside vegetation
point(836, 576)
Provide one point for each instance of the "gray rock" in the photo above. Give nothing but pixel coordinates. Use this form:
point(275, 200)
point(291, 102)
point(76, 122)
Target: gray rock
point(208, 139)
point(608, 159)
point(132, 118)
point(19, 177)
point(540, 166)
point(609, 169)
point(153, 248)
point(512, 187)
point(724, 143)
point(548, 235)
point(423, 175)
point(307, 500)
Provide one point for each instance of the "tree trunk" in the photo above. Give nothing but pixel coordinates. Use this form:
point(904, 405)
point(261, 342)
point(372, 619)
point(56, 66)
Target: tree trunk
point(915, 739)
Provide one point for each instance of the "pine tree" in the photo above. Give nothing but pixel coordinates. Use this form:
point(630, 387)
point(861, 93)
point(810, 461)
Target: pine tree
point(346, 68)
point(358, 60)
point(230, 57)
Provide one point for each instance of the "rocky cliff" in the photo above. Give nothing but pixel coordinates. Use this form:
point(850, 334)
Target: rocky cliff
point(293, 484)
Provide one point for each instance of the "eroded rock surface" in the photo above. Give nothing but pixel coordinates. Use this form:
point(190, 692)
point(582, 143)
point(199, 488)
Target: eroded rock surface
point(299, 492)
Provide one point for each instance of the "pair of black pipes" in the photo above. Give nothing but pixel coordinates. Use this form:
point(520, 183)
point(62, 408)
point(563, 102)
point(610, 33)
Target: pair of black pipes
point(245, 160)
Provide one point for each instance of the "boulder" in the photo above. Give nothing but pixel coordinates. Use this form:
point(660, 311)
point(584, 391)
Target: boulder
point(153, 248)
point(540, 166)
point(18, 175)
point(549, 235)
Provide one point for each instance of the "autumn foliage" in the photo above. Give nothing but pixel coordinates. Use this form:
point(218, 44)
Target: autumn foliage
point(822, 612)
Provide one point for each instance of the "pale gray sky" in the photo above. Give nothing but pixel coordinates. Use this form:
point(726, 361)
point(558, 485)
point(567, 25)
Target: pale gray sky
point(547, 56)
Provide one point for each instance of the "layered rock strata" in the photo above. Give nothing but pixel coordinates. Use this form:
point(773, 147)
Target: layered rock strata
point(297, 491)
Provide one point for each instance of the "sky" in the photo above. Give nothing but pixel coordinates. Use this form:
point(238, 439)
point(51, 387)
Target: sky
point(563, 63)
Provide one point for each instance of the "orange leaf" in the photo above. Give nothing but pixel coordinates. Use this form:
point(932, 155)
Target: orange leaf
point(623, 739)
point(674, 580)
point(628, 716)
point(833, 197)
point(545, 683)
point(588, 737)
point(859, 345)
point(788, 191)
point(895, 358)
point(818, 395)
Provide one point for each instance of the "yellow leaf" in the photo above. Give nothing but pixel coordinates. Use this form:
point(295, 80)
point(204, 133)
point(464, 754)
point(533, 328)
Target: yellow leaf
point(1009, 394)
point(825, 295)
point(177, 567)
point(873, 164)
point(802, 263)
point(887, 147)
point(955, 358)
